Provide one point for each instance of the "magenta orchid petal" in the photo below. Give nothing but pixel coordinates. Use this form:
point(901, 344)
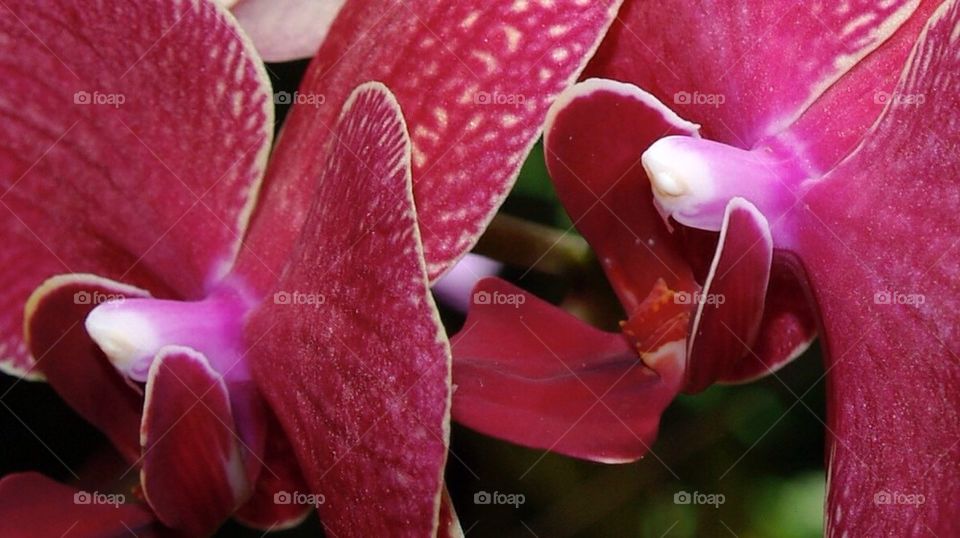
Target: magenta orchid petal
point(833, 125)
point(99, 135)
point(878, 242)
point(787, 330)
point(723, 69)
point(595, 135)
point(192, 469)
point(730, 307)
point(33, 505)
point(285, 30)
point(492, 68)
point(359, 376)
point(73, 364)
point(530, 373)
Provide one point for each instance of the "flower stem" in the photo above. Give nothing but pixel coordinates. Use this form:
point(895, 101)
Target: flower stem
point(531, 245)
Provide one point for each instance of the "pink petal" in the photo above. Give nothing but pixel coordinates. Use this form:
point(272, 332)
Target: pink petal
point(192, 474)
point(730, 307)
point(746, 68)
point(73, 364)
point(359, 376)
point(284, 30)
point(595, 135)
point(33, 505)
point(138, 156)
point(474, 81)
point(787, 330)
point(878, 241)
point(527, 372)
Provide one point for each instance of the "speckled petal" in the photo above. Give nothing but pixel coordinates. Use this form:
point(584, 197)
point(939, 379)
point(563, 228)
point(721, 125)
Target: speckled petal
point(474, 81)
point(350, 352)
point(136, 155)
point(878, 240)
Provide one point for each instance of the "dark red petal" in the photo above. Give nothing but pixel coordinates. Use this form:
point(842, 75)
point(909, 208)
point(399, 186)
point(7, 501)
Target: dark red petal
point(73, 364)
point(767, 60)
point(155, 190)
point(33, 505)
point(193, 474)
point(280, 475)
point(532, 374)
point(730, 307)
point(474, 80)
point(788, 328)
point(356, 365)
point(595, 135)
point(879, 243)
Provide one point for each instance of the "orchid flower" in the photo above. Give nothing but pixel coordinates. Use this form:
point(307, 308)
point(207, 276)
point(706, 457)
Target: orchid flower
point(822, 164)
point(165, 294)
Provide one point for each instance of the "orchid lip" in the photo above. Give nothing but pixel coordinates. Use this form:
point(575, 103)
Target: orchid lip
point(132, 331)
point(693, 179)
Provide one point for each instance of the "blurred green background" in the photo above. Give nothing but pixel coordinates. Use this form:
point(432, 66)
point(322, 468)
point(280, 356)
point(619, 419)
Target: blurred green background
point(759, 446)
